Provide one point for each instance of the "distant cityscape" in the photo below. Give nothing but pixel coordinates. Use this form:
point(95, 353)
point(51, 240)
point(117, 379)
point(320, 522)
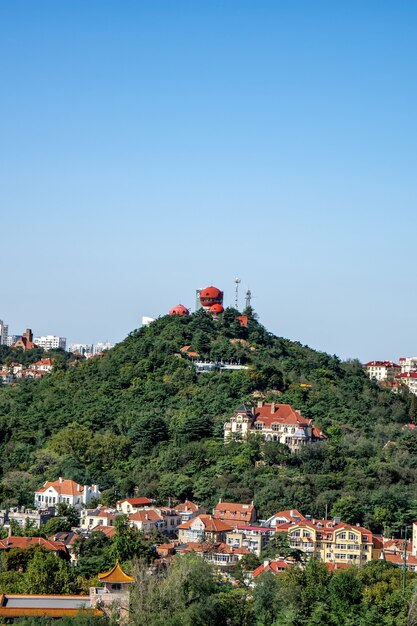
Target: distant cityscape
point(27, 341)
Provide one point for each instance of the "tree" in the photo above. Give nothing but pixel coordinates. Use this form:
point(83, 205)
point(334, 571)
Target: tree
point(129, 543)
point(69, 513)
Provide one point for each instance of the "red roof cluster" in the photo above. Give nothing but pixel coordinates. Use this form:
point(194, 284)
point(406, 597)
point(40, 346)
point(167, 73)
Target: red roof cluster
point(381, 364)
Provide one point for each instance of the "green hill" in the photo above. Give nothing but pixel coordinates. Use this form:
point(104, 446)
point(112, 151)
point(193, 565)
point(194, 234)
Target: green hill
point(141, 417)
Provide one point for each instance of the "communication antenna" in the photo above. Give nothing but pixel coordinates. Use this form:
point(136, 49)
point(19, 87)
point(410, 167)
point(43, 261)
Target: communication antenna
point(248, 298)
point(237, 281)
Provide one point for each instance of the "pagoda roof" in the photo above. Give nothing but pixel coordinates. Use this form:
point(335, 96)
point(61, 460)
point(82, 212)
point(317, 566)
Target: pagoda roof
point(115, 575)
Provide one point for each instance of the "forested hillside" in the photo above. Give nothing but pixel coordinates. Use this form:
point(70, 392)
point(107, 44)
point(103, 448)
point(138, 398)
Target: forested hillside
point(140, 417)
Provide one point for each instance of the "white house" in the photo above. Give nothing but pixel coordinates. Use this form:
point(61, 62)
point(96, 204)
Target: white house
point(67, 492)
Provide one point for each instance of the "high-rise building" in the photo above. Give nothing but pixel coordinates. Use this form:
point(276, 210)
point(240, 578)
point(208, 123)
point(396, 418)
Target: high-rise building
point(4, 331)
point(51, 342)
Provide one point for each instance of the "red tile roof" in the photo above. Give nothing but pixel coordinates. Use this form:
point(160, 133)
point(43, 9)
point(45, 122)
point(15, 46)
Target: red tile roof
point(276, 567)
point(233, 511)
point(380, 364)
point(205, 547)
point(64, 487)
point(24, 542)
point(137, 501)
point(148, 515)
point(209, 522)
point(109, 531)
point(183, 507)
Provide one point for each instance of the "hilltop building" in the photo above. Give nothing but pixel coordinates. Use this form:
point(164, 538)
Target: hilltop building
point(179, 309)
point(382, 370)
point(65, 491)
point(275, 422)
point(211, 300)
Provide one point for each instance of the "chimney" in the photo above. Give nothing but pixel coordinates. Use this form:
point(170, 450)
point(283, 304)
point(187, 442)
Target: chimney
point(60, 479)
point(273, 407)
point(266, 562)
point(260, 404)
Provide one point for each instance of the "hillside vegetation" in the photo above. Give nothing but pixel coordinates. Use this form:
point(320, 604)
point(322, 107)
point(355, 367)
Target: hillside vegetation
point(140, 418)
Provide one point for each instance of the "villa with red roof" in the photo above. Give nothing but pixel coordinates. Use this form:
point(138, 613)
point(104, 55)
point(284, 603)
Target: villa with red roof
point(65, 491)
point(203, 528)
point(221, 555)
point(233, 512)
point(131, 505)
point(382, 370)
point(275, 422)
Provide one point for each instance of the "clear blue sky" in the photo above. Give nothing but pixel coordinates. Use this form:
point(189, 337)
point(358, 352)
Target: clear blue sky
point(150, 147)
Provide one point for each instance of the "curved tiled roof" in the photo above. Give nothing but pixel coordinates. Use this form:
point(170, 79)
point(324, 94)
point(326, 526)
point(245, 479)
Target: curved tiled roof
point(115, 575)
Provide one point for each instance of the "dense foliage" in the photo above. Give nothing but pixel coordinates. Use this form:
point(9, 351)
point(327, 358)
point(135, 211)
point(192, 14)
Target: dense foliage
point(140, 418)
point(187, 594)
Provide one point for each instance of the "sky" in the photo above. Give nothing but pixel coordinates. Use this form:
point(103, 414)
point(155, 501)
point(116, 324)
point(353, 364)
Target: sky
point(152, 147)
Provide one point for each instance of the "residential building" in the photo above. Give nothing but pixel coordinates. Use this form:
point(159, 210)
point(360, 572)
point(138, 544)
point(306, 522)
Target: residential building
point(409, 379)
point(203, 528)
point(100, 516)
point(43, 365)
point(382, 370)
point(187, 510)
point(4, 333)
point(11, 339)
point(284, 517)
point(275, 566)
point(25, 341)
point(6, 378)
point(68, 539)
point(51, 342)
point(131, 505)
point(233, 513)
point(101, 347)
point(65, 491)
point(147, 520)
point(332, 541)
point(274, 422)
point(408, 364)
point(81, 348)
point(253, 538)
point(219, 554)
point(25, 542)
point(36, 518)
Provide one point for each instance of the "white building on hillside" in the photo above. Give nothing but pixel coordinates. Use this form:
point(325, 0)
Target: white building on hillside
point(51, 342)
point(67, 492)
point(382, 370)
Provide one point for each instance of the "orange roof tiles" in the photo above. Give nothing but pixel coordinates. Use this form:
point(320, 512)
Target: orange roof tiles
point(64, 487)
point(24, 542)
point(234, 511)
point(148, 515)
point(137, 501)
point(209, 522)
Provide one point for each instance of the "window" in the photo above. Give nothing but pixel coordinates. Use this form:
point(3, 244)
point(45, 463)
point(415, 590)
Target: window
point(342, 536)
point(275, 426)
point(258, 425)
point(352, 537)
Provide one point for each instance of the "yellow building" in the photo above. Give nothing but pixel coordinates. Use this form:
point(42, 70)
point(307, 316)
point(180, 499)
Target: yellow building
point(332, 541)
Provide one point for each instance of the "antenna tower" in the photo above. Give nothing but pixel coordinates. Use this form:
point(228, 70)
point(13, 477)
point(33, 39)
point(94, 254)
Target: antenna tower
point(248, 298)
point(237, 281)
